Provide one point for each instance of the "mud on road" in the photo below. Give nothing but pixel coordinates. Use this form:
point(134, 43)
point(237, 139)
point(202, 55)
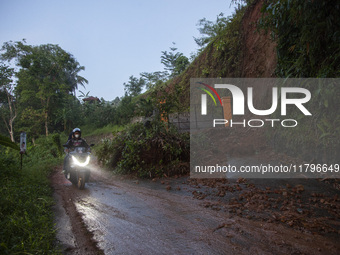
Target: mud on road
point(113, 215)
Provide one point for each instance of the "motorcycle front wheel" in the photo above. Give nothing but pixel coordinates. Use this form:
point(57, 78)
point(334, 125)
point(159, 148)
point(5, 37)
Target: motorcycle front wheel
point(81, 181)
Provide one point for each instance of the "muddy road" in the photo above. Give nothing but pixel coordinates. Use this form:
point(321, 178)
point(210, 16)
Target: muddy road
point(170, 216)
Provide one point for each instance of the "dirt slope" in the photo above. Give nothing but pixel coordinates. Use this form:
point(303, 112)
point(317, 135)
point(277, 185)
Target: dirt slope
point(259, 51)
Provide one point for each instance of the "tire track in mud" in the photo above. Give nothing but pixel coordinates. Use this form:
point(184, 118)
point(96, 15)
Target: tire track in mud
point(77, 239)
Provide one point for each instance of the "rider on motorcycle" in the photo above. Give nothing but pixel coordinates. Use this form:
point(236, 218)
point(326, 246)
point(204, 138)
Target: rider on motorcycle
point(75, 141)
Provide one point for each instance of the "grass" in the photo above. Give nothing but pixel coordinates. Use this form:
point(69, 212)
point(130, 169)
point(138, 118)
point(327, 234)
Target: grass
point(26, 215)
point(90, 131)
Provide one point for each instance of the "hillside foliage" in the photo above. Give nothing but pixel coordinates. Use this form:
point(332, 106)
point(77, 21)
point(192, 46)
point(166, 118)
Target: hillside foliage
point(308, 38)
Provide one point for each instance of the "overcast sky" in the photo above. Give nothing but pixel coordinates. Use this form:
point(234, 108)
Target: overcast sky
point(112, 39)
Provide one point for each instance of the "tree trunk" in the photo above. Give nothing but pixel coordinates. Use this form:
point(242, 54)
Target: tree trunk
point(46, 123)
point(46, 115)
point(11, 133)
point(12, 115)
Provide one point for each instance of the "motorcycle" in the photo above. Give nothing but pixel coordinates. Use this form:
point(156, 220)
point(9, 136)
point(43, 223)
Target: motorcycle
point(79, 172)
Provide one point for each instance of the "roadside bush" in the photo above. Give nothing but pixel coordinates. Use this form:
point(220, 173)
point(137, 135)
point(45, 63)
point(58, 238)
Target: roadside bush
point(45, 149)
point(26, 217)
point(147, 152)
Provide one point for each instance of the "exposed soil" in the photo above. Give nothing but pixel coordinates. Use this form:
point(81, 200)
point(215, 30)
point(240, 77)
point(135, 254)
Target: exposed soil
point(259, 51)
point(182, 215)
point(74, 237)
point(179, 215)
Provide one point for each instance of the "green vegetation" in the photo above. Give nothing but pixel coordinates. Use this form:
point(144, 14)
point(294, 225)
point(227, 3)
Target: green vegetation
point(308, 38)
point(26, 219)
point(108, 129)
point(39, 97)
point(220, 55)
point(5, 141)
point(307, 35)
point(147, 151)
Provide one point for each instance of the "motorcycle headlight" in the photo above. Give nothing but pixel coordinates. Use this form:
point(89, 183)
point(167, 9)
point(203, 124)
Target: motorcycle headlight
point(78, 163)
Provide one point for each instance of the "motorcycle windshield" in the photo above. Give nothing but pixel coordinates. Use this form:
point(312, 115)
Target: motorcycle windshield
point(79, 149)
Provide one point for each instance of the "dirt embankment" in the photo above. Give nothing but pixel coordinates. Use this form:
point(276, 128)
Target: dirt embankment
point(259, 51)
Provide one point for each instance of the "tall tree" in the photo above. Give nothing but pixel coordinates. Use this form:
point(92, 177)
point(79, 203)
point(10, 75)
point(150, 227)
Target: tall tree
point(134, 86)
point(174, 62)
point(7, 101)
point(47, 72)
point(154, 79)
point(74, 79)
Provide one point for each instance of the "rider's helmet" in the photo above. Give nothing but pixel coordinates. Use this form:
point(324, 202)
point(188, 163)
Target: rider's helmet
point(77, 133)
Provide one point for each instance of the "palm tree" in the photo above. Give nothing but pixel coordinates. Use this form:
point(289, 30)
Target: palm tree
point(73, 79)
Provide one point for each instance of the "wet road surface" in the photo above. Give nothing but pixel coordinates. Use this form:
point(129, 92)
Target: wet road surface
point(144, 217)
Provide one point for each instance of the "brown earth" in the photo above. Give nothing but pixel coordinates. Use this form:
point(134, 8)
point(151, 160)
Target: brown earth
point(74, 238)
point(259, 51)
point(179, 215)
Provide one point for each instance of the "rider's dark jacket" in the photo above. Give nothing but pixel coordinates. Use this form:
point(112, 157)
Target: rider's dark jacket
point(80, 142)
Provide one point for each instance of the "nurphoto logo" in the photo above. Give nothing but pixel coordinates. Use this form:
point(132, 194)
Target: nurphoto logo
point(295, 96)
point(264, 128)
